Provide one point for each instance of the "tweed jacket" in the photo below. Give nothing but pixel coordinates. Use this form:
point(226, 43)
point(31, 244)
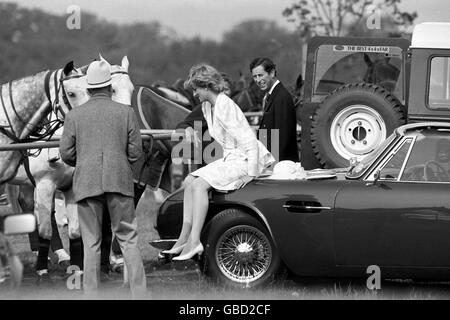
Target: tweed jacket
point(229, 127)
point(101, 138)
point(280, 114)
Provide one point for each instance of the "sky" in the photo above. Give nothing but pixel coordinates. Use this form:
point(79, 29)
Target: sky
point(208, 18)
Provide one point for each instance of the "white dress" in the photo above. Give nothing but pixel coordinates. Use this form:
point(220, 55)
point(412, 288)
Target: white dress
point(243, 153)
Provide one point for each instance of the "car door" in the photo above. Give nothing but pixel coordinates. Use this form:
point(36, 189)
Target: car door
point(400, 220)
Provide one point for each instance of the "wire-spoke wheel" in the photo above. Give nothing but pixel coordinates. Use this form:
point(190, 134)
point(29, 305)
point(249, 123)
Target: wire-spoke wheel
point(243, 253)
point(240, 251)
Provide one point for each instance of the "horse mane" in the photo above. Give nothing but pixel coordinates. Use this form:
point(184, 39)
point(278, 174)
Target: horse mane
point(29, 78)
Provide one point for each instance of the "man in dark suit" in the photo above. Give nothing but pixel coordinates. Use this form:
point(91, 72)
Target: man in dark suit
point(100, 139)
point(279, 112)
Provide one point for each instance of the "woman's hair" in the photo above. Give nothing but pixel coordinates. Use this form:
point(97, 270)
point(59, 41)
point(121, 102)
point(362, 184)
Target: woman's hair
point(204, 76)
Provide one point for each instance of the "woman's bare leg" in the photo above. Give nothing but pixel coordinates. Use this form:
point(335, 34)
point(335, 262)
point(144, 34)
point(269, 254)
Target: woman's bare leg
point(187, 213)
point(200, 204)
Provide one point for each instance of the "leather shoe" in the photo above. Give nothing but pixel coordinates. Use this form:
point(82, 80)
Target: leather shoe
point(174, 251)
point(194, 254)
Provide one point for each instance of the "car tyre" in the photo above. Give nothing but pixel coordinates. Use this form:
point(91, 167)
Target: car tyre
point(352, 121)
point(235, 238)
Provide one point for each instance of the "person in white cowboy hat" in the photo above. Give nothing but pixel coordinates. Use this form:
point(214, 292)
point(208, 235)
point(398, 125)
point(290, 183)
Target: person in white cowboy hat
point(100, 139)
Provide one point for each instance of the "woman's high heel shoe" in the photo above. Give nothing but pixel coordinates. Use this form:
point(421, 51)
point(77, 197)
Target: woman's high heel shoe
point(174, 251)
point(198, 250)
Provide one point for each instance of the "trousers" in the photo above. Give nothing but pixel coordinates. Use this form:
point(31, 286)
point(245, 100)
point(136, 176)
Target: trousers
point(124, 226)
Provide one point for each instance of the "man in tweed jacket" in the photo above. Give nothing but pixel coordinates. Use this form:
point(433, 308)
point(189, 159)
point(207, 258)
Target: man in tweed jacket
point(100, 139)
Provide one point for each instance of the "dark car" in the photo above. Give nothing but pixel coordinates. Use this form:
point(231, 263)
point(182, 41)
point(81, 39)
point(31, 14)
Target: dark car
point(391, 209)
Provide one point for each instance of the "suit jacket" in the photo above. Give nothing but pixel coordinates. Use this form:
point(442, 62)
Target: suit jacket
point(101, 139)
point(195, 115)
point(280, 114)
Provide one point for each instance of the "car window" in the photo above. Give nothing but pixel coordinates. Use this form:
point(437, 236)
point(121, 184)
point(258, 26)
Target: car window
point(338, 65)
point(429, 159)
point(439, 89)
point(393, 167)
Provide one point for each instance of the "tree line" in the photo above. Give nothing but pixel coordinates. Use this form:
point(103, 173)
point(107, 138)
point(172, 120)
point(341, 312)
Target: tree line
point(32, 40)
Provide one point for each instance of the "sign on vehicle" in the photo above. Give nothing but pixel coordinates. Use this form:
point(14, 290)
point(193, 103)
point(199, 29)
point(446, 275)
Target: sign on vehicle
point(348, 48)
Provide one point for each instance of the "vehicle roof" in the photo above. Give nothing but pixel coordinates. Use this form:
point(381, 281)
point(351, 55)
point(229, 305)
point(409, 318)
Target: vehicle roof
point(431, 35)
point(419, 125)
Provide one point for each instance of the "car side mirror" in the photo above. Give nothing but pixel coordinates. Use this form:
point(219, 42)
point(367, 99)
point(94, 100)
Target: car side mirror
point(376, 177)
point(19, 223)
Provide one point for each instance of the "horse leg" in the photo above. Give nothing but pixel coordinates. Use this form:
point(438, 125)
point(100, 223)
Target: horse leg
point(26, 203)
point(44, 195)
point(3, 196)
point(56, 244)
point(156, 198)
point(43, 206)
point(75, 241)
point(16, 271)
point(12, 195)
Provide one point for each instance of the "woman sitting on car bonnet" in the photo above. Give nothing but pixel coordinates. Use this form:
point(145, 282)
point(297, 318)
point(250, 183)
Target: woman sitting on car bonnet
point(244, 157)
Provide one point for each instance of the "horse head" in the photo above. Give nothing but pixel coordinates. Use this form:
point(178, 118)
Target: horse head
point(122, 88)
point(250, 98)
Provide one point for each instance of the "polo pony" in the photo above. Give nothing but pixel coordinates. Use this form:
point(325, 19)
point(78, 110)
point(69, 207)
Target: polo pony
point(45, 170)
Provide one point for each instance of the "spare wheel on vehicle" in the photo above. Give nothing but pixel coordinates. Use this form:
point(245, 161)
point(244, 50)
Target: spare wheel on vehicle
point(352, 121)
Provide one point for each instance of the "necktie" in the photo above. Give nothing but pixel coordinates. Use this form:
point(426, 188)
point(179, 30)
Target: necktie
point(265, 99)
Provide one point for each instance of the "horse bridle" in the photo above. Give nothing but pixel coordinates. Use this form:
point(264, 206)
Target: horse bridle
point(11, 132)
point(56, 106)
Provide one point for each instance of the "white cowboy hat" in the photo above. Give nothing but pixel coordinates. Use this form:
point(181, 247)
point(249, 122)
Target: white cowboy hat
point(98, 75)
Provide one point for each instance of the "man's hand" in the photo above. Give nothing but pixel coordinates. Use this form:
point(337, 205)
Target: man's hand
point(192, 136)
point(243, 181)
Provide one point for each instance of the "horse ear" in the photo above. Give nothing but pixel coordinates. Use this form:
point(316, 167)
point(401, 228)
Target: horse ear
point(367, 60)
point(69, 67)
point(101, 58)
point(125, 63)
point(83, 69)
